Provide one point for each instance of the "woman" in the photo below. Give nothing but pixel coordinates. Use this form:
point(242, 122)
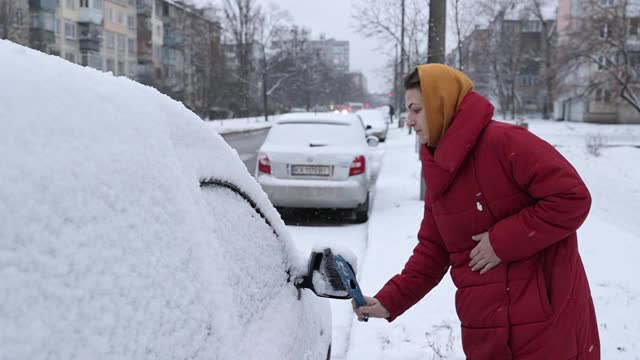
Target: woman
point(502, 209)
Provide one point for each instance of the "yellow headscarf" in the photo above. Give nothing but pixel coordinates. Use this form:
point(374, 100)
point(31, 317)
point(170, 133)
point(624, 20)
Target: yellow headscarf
point(443, 89)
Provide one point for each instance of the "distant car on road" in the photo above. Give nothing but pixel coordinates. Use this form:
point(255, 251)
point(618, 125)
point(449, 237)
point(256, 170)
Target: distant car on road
point(376, 123)
point(130, 230)
point(317, 161)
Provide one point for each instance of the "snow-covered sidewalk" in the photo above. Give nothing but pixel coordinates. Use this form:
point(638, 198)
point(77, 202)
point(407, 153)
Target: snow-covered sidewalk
point(609, 244)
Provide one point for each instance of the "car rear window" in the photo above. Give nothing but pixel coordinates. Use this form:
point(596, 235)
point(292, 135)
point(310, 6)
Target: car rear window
point(306, 133)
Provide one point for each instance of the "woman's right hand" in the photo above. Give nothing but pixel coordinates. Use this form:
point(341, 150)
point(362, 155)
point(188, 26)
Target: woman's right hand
point(374, 309)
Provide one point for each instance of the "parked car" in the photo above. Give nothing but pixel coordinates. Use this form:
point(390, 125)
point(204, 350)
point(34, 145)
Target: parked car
point(376, 123)
point(130, 230)
point(317, 161)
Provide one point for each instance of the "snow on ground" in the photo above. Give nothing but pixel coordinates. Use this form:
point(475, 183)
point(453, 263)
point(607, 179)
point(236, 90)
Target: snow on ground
point(227, 126)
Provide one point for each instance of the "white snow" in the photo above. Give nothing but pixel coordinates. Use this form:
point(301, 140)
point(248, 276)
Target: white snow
point(109, 247)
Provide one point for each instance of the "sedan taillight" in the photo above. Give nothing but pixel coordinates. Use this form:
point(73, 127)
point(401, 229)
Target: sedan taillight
point(264, 164)
point(357, 166)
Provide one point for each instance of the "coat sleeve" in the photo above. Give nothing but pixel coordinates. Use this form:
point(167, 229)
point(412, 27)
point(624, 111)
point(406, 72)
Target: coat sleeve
point(422, 272)
point(562, 200)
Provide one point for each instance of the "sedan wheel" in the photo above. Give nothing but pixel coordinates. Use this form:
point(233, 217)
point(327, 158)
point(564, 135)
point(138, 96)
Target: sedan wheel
point(362, 212)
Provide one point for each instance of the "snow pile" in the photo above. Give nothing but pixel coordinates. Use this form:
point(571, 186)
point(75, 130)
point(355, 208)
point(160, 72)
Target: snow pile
point(106, 248)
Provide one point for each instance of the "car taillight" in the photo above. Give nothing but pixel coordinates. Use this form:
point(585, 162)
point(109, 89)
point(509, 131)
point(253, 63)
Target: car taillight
point(264, 164)
point(357, 166)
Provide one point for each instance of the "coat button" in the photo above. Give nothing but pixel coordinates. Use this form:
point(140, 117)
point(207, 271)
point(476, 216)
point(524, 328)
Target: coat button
point(479, 206)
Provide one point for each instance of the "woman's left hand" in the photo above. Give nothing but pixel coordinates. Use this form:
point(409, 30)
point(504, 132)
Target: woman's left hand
point(483, 257)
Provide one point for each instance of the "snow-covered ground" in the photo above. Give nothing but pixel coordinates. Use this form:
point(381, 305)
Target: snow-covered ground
point(227, 126)
point(609, 244)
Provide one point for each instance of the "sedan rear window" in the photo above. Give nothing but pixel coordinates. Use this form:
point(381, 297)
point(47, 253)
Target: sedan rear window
point(320, 134)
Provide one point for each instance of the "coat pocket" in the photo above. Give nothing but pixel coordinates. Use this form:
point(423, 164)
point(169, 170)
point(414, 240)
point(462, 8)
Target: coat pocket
point(528, 294)
point(486, 343)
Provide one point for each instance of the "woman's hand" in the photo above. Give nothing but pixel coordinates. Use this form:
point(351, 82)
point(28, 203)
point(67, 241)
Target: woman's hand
point(373, 309)
point(483, 257)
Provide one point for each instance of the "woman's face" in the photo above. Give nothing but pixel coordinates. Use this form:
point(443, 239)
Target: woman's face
point(417, 116)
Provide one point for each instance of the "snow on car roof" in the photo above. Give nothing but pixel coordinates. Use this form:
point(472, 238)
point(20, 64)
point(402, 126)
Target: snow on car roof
point(327, 117)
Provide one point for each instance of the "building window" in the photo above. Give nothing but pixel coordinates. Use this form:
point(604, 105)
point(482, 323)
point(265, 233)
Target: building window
point(532, 26)
point(131, 20)
point(132, 46)
point(84, 3)
point(607, 2)
point(603, 95)
point(120, 17)
point(604, 31)
point(634, 24)
point(634, 59)
point(121, 42)
point(70, 30)
point(58, 27)
point(19, 17)
point(110, 15)
point(121, 68)
point(109, 39)
point(132, 69)
point(97, 4)
point(598, 95)
point(110, 65)
point(70, 57)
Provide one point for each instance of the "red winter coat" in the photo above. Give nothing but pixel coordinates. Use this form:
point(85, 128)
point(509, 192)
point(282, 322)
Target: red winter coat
point(496, 177)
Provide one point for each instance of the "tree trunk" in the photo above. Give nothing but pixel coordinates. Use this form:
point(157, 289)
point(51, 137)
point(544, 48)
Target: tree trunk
point(436, 49)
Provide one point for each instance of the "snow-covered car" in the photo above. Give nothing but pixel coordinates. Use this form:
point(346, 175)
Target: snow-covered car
point(375, 122)
point(130, 230)
point(317, 160)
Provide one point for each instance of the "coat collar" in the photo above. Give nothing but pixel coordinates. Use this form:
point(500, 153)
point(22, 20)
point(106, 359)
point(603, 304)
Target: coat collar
point(440, 166)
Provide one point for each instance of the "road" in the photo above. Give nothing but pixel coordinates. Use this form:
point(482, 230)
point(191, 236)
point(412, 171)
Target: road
point(247, 145)
point(318, 228)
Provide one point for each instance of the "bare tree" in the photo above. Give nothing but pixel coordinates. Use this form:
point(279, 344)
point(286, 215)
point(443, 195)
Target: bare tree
point(271, 24)
point(546, 55)
point(463, 20)
point(7, 17)
point(601, 47)
point(243, 18)
point(402, 25)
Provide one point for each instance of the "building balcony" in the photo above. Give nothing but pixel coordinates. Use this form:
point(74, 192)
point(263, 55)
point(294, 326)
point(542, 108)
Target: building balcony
point(145, 8)
point(173, 40)
point(90, 15)
point(49, 5)
point(41, 37)
point(90, 37)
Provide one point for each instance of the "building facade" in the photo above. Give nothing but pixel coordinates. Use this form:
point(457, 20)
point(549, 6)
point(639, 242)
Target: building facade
point(608, 31)
point(335, 52)
point(119, 48)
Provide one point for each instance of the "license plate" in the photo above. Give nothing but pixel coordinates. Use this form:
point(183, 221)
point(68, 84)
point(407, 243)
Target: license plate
point(312, 170)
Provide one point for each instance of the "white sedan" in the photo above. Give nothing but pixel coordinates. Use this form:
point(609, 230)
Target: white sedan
point(131, 231)
point(317, 160)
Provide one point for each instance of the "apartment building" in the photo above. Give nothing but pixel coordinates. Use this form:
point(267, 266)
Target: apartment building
point(335, 52)
point(67, 17)
point(42, 26)
point(598, 38)
point(119, 48)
